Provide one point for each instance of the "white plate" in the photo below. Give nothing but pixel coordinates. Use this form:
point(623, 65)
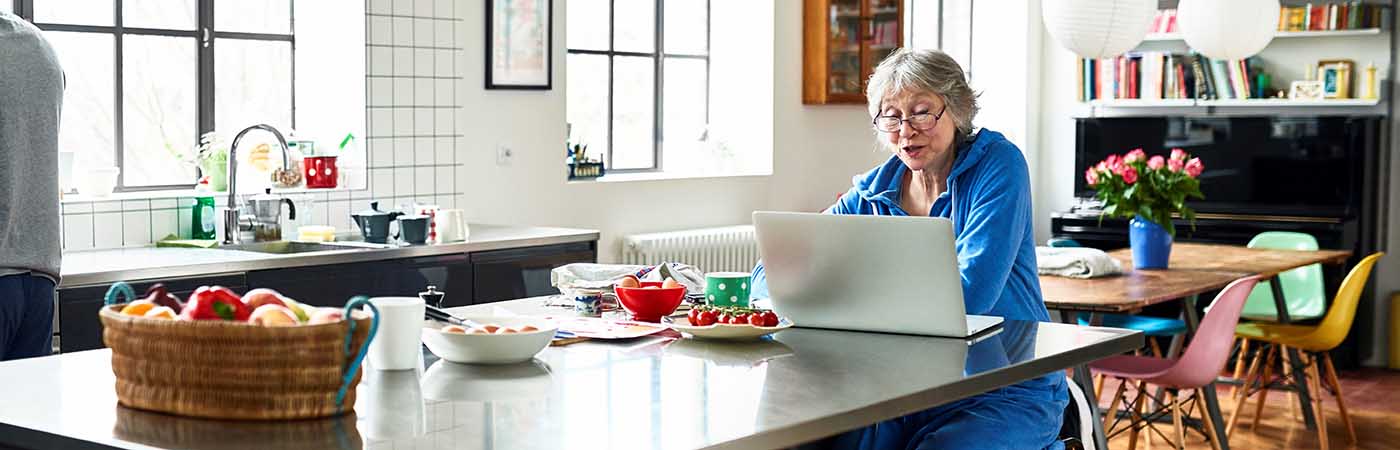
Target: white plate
point(724, 330)
point(491, 348)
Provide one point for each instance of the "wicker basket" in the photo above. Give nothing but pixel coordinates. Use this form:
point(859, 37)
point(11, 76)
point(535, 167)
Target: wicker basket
point(230, 370)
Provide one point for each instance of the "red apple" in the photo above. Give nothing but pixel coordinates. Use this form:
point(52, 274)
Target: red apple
point(273, 316)
point(326, 315)
point(256, 298)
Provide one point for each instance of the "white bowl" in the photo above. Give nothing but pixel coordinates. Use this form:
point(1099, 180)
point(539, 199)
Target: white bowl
point(491, 348)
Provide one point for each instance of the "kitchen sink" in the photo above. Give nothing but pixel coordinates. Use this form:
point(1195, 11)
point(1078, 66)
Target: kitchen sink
point(287, 247)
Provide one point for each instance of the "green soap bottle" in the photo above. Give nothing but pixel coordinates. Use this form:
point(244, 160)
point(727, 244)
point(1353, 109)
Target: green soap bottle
point(202, 214)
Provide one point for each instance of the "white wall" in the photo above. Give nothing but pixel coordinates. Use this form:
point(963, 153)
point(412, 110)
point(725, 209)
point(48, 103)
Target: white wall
point(815, 152)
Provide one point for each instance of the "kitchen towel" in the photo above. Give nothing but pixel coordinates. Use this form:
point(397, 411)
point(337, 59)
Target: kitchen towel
point(1076, 262)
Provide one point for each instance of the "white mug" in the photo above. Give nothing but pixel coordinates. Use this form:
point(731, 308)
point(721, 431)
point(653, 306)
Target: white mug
point(451, 226)
point(396, 345)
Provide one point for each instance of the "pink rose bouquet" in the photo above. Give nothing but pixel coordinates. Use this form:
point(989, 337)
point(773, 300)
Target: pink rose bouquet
point(1151, 188)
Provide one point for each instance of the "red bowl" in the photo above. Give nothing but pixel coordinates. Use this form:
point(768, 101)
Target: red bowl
point(648, 305)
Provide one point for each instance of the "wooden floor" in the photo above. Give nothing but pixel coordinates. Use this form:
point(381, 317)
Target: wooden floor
point(1372, 396)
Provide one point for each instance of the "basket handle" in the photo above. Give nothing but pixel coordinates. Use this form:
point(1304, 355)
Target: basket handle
point(350, 306)
point(117, 290)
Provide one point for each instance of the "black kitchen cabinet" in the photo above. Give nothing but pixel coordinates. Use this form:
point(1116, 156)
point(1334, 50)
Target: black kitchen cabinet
point(523, 272)
point(333, 285)
point(78, 326)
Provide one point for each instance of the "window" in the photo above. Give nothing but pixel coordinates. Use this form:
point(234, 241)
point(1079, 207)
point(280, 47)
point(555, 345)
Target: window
point(638, 79)
point(146, 78)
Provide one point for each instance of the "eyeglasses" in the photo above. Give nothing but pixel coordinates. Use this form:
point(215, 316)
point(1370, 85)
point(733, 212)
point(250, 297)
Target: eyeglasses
point(921, 121)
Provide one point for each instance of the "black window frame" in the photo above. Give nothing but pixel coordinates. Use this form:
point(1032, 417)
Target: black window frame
point(206, 37)
point(659, 57)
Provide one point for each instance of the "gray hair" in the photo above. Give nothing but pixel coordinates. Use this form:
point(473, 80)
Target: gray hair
point(929, 71)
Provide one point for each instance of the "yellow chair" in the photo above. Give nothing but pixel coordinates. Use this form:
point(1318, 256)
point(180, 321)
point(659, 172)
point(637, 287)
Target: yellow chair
point(1315, 342)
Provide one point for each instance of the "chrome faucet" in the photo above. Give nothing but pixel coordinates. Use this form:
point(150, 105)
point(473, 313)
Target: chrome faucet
point(233, 219)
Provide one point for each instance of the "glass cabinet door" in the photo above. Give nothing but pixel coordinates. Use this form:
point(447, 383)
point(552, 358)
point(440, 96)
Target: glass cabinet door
point(844, 70)
point(882, 32)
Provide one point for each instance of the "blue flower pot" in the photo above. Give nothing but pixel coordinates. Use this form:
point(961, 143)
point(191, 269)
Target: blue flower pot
point(1152, 246)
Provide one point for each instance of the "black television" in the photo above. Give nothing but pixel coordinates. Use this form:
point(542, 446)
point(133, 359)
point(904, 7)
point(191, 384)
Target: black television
point(1307, 166)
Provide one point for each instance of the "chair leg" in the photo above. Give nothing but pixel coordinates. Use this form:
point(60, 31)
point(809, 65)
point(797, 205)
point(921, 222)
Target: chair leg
point(1287, 373)
point(1175, 398)
point(1240, 363)
point(1341, 401)
point(1318, 412)
point(1242, 397)
point(1137, 415)
point(1206, 418)
point(1098, 385)
point(1111, 414)
point(1264, 385)
point(1156, 348)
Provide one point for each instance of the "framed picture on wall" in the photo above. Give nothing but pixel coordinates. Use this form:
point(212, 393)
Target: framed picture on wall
point(1335, 75)
point(519, 44)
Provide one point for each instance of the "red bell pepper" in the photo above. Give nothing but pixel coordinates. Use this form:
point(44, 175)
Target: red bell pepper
point(215, 303)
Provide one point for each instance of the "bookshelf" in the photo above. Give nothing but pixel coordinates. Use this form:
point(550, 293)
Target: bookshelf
point(842, 42)
point(1166, 37)
point(1251, 102)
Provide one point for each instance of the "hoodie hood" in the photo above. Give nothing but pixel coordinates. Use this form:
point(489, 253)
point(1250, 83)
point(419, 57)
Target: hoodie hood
point(881, 184)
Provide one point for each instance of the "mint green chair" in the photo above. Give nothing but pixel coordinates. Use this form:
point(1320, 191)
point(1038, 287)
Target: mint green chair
point(1303, 289)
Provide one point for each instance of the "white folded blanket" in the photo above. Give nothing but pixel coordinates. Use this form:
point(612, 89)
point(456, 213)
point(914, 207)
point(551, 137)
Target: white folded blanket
point(1076, 262)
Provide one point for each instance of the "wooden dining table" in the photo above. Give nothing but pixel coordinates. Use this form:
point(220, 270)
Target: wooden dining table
point(1192, 269)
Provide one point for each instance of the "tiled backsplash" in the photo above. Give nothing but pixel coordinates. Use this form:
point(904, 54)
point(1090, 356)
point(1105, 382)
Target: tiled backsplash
point(413, 51)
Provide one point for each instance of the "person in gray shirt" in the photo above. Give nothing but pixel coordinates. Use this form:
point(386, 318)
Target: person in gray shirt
point(31, 96)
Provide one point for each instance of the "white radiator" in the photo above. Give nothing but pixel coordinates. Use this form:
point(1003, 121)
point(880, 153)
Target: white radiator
point(724, 249)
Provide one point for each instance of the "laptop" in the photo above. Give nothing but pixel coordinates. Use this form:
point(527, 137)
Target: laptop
point(888, 274)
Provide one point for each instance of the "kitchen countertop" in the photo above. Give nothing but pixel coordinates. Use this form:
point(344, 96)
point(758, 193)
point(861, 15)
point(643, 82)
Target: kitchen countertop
point(648, 392)
point(98, 267)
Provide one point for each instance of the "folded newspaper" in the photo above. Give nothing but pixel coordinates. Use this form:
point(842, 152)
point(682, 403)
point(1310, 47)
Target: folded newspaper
point(598, 276)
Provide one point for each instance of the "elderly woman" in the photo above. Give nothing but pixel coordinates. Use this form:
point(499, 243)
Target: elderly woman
point(922, 111)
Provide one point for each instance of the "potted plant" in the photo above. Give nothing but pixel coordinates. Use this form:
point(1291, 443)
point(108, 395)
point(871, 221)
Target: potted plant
point(211, 156)
point(1148, 191)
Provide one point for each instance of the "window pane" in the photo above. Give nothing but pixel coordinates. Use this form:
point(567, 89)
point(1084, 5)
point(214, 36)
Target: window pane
point(90, 84)
point(636, 26)
point(586, 109)
point(77, 12)
point(588, 24)
point(683, 106)
point(168, 14)
point(252, 85)
point(686, 21)
point(633, 115)
point(6, 6)
point(158, 109)
point(253, 16)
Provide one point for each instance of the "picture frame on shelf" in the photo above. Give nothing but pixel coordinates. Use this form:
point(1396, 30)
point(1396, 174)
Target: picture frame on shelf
point(1306, 90)
point(519, 44)
point(1335, 75)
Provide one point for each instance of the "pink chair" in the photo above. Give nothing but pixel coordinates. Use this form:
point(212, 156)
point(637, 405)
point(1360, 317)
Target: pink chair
point(1194, 371)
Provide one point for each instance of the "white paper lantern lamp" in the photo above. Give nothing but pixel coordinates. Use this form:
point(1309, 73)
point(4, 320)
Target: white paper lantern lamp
point(1233, 29)
point(1098, 28)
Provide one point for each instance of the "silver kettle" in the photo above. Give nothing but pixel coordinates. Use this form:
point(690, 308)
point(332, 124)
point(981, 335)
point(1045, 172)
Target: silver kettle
point(267, 215)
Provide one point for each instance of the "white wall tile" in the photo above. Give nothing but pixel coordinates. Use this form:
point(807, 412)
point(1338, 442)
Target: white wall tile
point(107, 207)
point(443, 121)
point(381, 152)
point(444, 64)
point(403, 119)
point(382, 182)
point(403, 181)
point(381, 30)
point(136, 205)
point(444, 180)
point(422, 121)
point(164, 223)
point(446, 201)
point(381, 6)
point(77, 231)
point(423, 154)
point(183, 226)
point(403, 31)
point(403, 62)
point(423, 62)
point(136, 228)
point(423, 92)
point(403, 92)
point(422, 7)
point(107, 230)
point(381, 91)
point(381, 122)
point(163, 203)
point(444, 8)
point(338, 215)
point(77, 208)
point(443, 92)
point(442, 147)
point(424, 181)
point(403, 7)
point(381, 61)
point(403, 151)
point(443, 33)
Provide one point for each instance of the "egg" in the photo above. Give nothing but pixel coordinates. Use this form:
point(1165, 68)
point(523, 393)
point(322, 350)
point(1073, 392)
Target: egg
point(629, 282)
point(454, 329)
point(505, 330)
point(670, 283)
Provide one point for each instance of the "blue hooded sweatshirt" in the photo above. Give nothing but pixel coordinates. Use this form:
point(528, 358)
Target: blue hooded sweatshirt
point(989, 202)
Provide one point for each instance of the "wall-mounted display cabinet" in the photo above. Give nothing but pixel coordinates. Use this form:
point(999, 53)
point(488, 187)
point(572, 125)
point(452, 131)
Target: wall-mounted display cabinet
point(842, 42)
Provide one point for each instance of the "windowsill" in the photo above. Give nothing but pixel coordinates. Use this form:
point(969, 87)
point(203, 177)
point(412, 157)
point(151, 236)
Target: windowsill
point(177, 193)
point(661, 176)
